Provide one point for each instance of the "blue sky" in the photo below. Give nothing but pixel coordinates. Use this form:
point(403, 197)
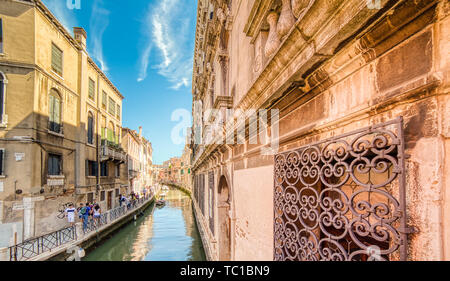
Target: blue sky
point(146, 49)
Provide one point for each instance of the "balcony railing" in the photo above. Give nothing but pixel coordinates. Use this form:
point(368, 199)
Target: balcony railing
point(55, 127)
point(36, 246)
point(110, 150)
point(133, 173)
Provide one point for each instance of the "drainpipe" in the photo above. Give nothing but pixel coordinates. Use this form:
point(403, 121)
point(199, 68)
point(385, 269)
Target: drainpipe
point(97, 178)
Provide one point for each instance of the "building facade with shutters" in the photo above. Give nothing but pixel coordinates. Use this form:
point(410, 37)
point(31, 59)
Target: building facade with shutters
point(60, 129)
point(139, 168)
point(330, 139)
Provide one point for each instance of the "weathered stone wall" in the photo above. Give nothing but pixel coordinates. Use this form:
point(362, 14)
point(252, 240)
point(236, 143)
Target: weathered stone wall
point(379, 67)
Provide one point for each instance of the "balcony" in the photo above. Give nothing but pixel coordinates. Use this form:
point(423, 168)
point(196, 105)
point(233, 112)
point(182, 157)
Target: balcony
point(112, 151)
point(133, 173)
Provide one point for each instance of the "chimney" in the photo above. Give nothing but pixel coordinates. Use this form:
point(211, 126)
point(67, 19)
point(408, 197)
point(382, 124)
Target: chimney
point(140, 131)
point(80, 36)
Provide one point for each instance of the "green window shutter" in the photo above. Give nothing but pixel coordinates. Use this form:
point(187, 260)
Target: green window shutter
point(91, 89)
point(112, 106)
point(57, 111)
point(118, 112)
point(104, 100)
point(57, 59)
point(51, 108)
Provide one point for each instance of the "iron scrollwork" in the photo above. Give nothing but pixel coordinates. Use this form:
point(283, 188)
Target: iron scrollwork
point(342, 198)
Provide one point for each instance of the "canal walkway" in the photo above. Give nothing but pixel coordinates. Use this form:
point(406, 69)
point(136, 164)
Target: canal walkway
point(56, 244)
point(162, 234)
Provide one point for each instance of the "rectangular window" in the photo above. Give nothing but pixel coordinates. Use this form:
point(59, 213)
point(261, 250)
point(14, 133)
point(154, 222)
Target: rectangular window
point(182, 171)
point(104, 100)
point(104, 169)
point(102, 196)
point(118, 112)
point(117, 192)
point(189, 170)
point(90, 197)
point(91, 89)
point(92, 168)
point(57, 59)
point(112, 106)
point(1, 36)
point(54, 165)
point(2, 162)
point(117, 173)
point(90, 135)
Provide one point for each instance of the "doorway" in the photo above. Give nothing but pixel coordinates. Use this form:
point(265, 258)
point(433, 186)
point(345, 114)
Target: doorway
point(109, 201)
point(224, 220)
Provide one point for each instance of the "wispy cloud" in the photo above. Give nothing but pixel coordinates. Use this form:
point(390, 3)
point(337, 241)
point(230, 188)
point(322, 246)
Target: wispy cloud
point(64, 15)
point(98, 23)
point(169, 27)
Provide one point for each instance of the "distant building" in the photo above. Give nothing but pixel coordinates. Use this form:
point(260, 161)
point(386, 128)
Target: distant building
point(140, 157)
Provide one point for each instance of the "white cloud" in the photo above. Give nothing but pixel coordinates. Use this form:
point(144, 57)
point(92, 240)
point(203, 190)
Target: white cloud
point(64, 15)
point(168, 27)
point(98, 23)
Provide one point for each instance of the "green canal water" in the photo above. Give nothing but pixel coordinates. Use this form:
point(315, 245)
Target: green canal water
point(161, 234)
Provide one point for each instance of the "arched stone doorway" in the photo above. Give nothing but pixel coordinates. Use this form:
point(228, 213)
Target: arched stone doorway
point(224, 220)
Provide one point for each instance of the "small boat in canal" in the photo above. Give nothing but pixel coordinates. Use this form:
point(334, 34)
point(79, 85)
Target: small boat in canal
point(160, 203)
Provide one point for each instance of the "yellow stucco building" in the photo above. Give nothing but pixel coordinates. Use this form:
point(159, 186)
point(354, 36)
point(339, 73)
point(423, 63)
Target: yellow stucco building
point(60, 124)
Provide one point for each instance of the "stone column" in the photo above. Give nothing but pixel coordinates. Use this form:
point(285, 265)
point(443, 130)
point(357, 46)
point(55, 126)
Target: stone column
point(28, 218)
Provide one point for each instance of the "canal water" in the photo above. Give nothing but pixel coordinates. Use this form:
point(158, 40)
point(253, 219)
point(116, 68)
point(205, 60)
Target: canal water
point(161, 234)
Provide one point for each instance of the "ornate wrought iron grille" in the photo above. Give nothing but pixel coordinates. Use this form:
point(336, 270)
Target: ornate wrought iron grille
point(343, 198)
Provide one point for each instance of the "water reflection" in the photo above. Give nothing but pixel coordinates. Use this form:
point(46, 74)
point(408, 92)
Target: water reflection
point(166, 234)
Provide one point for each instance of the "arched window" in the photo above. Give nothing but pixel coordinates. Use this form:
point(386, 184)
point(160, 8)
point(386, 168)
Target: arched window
point(54, 111)
point(2, 96)
point(111, 133)
point(90, 130)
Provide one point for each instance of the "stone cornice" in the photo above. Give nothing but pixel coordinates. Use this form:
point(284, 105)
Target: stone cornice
point(223, 101)
point(312, 40)
point(46, 12)
point(257, 16)
point(299, 51)
point(95, 66)
point(53, 20)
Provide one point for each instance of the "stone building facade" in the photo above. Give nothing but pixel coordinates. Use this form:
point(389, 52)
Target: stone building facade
point(330, 138)
point(60, 127)
point(139, 163)
point(185, 168)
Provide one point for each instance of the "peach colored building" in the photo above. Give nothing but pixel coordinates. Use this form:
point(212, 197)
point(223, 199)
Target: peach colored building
point(351, 159)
